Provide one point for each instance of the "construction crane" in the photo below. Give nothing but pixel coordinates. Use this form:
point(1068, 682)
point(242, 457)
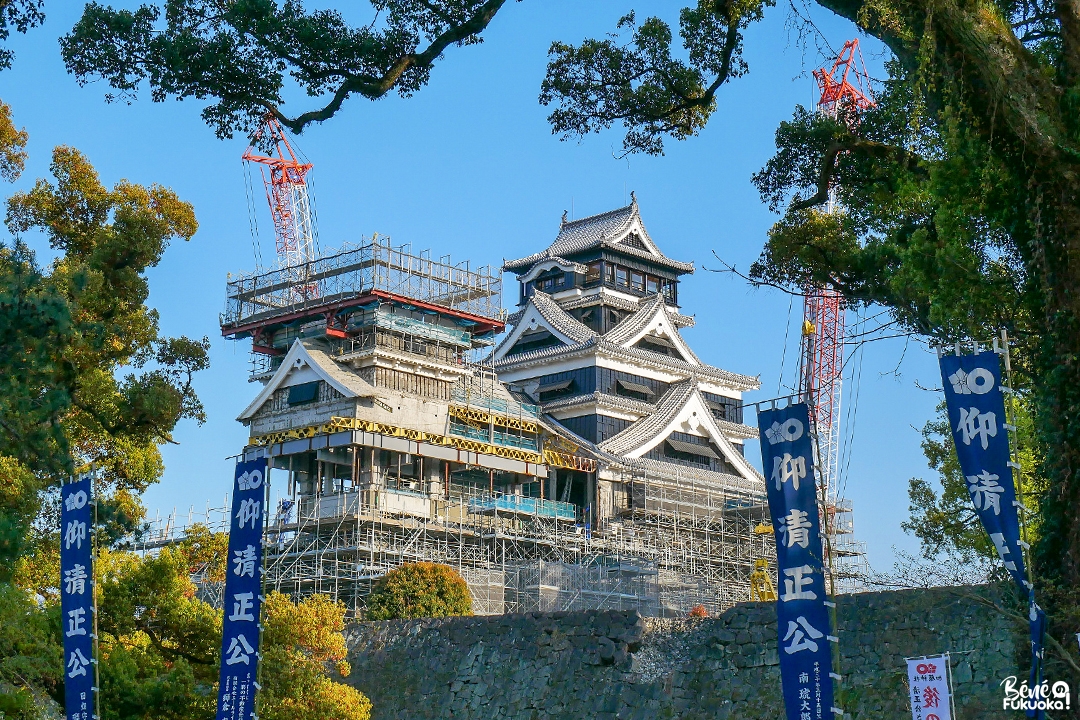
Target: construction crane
point(287, 192)
point(845, 92)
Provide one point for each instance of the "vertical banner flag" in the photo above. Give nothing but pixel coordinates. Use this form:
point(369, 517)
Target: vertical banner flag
point(243, 594)
point(977, 417)
point(928, 680)
point(803, 621)
point(976, 405)
point(77, 599)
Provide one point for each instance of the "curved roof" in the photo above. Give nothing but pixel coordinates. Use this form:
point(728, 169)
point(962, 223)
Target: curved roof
point(607, 229)
point(683, 402)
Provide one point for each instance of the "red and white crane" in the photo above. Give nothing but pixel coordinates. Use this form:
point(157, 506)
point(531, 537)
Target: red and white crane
point(287, 192)
point(845, 92)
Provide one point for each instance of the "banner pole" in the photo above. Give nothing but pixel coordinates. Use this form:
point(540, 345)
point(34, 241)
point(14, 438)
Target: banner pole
point(262, 581)
point(1015, 452)
point(96, 691)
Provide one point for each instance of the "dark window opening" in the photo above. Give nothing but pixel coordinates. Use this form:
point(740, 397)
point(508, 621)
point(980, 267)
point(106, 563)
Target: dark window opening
point(622, 277)
point(659, 345)
point(724, 408)
point(698, 451)
point(305, 393)
point(536, 340)
point(592, 275)
point(550, 282)
point(634, 241)
point(652, 285)
point(552, 390)
point(633, 390)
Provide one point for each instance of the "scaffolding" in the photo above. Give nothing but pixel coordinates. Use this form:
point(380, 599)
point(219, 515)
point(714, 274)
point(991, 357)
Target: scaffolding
point(358, 270)
point(674, 546)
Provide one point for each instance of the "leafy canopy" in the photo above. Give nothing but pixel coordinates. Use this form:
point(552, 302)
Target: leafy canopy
point(418, 590)
point(243, 53)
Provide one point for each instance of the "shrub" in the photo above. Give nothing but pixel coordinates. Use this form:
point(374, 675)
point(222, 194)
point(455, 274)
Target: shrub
point(419, 590)
point(698, 611)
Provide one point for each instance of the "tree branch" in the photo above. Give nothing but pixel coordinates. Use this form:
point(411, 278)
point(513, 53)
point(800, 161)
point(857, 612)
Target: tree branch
point(870, 148)
point(374, 88)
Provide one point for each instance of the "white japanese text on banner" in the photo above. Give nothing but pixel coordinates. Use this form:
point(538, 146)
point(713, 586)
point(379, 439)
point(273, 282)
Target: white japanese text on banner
point(803, 621)
point(243, 594)
point(77, 598)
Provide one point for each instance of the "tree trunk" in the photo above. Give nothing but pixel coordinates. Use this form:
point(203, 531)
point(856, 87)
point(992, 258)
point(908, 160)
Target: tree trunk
point(1056, 262)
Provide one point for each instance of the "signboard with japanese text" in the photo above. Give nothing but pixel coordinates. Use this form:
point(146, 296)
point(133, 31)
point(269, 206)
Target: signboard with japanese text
point(243, 594)
point(976, 407)
point(928, 684)
point(77, 598)
point(803, 620)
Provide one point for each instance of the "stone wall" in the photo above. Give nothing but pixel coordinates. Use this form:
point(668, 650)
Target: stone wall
point(610, 665)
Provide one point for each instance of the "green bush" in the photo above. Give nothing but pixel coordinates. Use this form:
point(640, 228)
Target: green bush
point(419, 590)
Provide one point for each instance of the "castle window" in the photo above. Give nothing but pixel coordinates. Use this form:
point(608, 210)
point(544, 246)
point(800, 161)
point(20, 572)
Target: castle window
point(634, 241)
point(609, 273)
point(304, 393)
point(693, 449)
point(592, 275)
point(622, 277)
point(548, 391)
point(637, 282)
point(634, 390)
point(652, 285)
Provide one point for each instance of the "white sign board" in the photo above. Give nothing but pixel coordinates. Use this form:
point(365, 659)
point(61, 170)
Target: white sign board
point(928, 683)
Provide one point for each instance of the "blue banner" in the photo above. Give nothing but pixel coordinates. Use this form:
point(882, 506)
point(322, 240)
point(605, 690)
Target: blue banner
point(803, 620)
point(77, 599)
point(976, 408)
point(243, 594)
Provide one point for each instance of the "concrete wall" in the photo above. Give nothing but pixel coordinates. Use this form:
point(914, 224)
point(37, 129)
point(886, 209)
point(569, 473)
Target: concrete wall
point(619, 665)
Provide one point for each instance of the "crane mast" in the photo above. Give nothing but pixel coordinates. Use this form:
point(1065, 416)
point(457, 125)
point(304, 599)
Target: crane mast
point(284, 177)
point(845, 92)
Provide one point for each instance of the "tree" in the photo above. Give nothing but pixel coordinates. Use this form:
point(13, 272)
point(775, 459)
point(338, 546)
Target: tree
point(240, 53)
point(304, 645)
point(70, 331)
point(946, 523)
point(419, 590)
point(160, 646)
point(85, 378)
point(21, 15)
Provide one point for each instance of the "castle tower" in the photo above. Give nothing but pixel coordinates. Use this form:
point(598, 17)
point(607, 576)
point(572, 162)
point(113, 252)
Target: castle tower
point(597, 344)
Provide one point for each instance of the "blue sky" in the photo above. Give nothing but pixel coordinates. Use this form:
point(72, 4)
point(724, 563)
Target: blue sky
point(469, 167)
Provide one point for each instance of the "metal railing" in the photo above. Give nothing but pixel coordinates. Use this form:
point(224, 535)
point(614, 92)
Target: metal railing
point(356, 269)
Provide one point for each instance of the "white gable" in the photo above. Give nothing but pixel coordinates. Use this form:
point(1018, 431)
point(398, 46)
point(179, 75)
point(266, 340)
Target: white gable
point(302, 365)
point(695, 418)
point(531, 321)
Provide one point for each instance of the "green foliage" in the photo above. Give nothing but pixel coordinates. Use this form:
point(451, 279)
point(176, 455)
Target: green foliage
point(31, 658)
point(945, 522)
point(641, 84)
point(418, 590)
point(71, 331)
point(160, 643)
point(241, 53)
point(20, 15)
point(303, 648)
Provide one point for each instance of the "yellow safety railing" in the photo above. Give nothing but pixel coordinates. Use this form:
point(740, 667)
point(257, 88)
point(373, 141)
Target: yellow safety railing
point(483, 417)
point(568, 461)
point(339, 424)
